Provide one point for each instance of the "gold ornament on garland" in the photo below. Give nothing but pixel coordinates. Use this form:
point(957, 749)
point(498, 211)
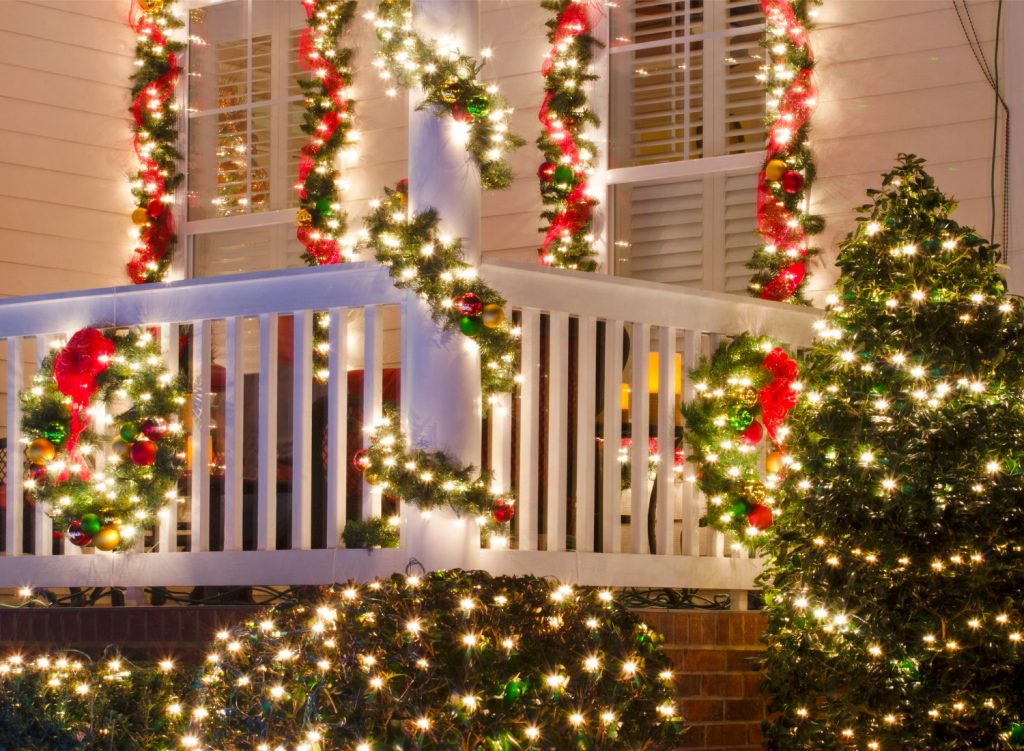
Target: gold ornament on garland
point(303, 218)
point(107, 539)
point(451, 90)
point(140, 216)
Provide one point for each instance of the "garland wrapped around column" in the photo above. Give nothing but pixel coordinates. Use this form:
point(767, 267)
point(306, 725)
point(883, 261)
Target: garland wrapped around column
point(570, 157)
point(449, 79)
point(783, 183)
point(154, 112)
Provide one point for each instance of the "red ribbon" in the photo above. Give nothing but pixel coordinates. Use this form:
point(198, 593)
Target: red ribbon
point(159, 232)
point(324, 249)
point(778, 226)
point(75, 369)
point(777, 397)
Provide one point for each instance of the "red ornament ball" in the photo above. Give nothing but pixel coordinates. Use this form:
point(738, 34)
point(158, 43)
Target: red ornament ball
point(77, 536)
point(460, 113)
point(546, 171)
point(760, 517)
point(154, 428)
point(361, 460)
point(752, 435)
point(155, 208)
point(142, 453)
point(503, 510)
point(792, 181)
point(468, 304)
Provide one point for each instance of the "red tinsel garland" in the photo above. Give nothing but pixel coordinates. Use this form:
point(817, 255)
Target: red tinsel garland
point(323, 248)
point(778, 226)
point(158, 233)
point(778, 396)
point(574, 216)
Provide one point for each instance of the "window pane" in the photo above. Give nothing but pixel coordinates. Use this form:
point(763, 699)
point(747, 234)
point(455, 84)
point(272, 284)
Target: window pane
point(218, 56)
point(248, 250)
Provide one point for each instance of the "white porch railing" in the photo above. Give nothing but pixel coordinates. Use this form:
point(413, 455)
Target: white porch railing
point(269, 492)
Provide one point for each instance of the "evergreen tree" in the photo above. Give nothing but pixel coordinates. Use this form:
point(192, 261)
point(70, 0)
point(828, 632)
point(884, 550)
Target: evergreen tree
point(896, 620)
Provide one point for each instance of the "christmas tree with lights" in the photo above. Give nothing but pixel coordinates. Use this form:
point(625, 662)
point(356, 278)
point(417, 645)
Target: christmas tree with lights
point(896, 620)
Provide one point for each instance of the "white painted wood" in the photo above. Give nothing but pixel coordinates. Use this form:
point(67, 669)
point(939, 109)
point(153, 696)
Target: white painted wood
point(234, 430)
point(373, 394)
point(666, 440)
point(337, 426)
point(167, 517)
point(13, 543)
point(690, 540)
point(266, 498)
point(199, 518)
point(640, 418)
point(500, 417)
point(716, 539)
point(586, 432)
point(529, 430)
point(43, 542)
point(302, 429)
point(611, 525)
point(558, 433)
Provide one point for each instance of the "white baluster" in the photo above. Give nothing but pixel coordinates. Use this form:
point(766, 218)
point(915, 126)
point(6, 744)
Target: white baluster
point(167, 517)
point(201, 366)
point(666, 439)
point(611, 513)
point(586, 434)
point(337, 426)
point(692, 501)
point(558, 434)
point(529, 431)
point(14, 544)
point(373, 394)
point(302, 430)
point(266, 499)
point(234, 411)
point(639, 416)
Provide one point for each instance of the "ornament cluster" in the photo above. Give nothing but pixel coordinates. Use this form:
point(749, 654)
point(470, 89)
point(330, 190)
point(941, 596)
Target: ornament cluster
point(780, 264)
point(450, 81)
point(735, 426)
point(104, 443)
point(155, 136)
point(419, 258)
point(570, 157)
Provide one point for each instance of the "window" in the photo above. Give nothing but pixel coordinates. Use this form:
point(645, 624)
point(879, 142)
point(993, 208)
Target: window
point(686, 135)
point(244, 115)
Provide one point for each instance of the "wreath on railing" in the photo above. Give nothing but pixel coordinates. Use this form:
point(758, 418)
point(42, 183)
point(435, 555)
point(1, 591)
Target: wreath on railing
point(449, 80)
point(744, 393)
point(104, 493)
point(427, 480)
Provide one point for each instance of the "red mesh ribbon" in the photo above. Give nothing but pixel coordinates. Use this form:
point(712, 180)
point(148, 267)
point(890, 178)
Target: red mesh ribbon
point(777, 226)
point(159, 231)
point(777, 397)
point(75, 368)
point(323, 248)
point(576, 19)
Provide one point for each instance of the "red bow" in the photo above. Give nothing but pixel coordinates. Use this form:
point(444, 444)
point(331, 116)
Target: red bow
point(75, 369)
point(778, 396)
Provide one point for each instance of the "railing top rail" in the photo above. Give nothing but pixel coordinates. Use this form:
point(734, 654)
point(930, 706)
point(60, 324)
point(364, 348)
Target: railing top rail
point(346, 285)
point(649, 302)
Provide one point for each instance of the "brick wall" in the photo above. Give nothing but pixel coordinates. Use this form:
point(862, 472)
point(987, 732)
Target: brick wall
point(714, 654)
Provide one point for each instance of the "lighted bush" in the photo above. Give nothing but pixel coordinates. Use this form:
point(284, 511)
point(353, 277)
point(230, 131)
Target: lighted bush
point(451, 660)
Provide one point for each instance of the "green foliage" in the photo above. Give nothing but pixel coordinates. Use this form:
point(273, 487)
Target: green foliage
point(375, 532)
point(66, 702)
point(416, 257)
point(898, 569)
point(123, 494)
point(450, 81)
point(450, 660)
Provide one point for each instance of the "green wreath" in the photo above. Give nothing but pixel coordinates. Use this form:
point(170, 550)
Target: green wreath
point(744, 393)
point(104, 489)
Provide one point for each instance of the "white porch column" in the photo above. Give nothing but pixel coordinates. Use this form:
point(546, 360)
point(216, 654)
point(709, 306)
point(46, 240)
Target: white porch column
point(441, 405)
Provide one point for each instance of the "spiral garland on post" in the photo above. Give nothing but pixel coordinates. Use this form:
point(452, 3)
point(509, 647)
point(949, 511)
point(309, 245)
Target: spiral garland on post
point(328, 122)
point(450, 80)
point(783, 183)
point(570, 157)
point(154, 111)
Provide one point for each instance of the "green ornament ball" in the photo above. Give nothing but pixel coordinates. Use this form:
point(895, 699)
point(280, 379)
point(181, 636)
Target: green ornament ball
point(563, 173)
point(91, 524)
point(1016, 734)
point(740, 418)
point(738, 509)
point(128, 431)
point(514, 690)
point(478, 106)
point(909, 667)
point(470, 325)
point(323, 207)
point(55, 432)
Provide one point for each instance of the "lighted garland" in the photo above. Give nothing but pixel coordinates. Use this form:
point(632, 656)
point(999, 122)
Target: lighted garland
point(419, 258)
point(101, 494)
point(783, 183)
point(327, 121)
point(428, 480)
point(448, 660)
point(450, 80)
point(744, 393)
point(154, 113)
point(570, 157)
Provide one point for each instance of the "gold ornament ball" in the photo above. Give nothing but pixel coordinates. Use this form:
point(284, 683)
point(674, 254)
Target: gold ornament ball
point(493, 316)
point(40, 452)
point(151, 6)
point(773, 462)
point(774, 169)
point(755, 491)
point(451, 90)
point(107, 539)
point(139, 216)
point(303, 218)
point(747, 396)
